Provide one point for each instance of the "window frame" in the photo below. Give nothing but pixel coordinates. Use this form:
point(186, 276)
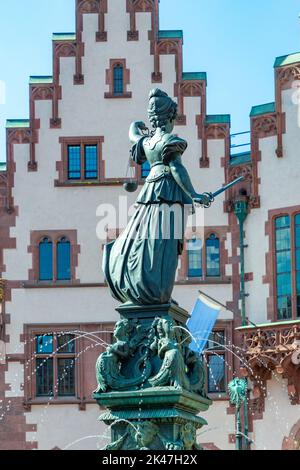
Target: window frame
point(192, 271)
point(118, 81)
point(292, 214)
point(81, 363)
point(208, 238)
point(289, 273)
point(49, 242)
point(55, 236)
point(54, 243)
point(55, 356)
point(63, 165)
point(113, 63)
point(221, 234)
point(64, 240)
point(225, 326)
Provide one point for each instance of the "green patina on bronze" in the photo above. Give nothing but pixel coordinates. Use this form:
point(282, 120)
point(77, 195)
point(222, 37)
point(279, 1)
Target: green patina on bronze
point(237, 391)
point(150, 380)
point(140, 266)
point(238, 394)
point(152, 383)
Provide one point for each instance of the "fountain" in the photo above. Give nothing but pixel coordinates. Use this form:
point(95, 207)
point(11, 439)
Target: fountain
point(151, 383)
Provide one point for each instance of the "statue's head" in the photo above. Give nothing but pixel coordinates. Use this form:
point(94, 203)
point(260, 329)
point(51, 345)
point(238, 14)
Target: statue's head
point(146, 433)
point(188, 436)
point(162, 110)
point(122, 329)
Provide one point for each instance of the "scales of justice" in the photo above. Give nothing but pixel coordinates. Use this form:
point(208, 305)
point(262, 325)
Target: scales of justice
point(149, 380)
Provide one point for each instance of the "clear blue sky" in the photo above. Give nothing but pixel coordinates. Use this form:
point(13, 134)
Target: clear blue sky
point(234, 41)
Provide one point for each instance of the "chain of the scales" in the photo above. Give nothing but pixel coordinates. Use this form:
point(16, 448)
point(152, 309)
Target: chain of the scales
point(132, 182)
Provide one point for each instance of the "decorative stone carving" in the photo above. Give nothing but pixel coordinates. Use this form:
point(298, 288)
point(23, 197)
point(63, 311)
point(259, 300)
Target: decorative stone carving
point(216, 131)
point(146, 436)
point(271, 349)
point(191, 88)
point(287, 75)
point(144, 357)
point(42, 92)
point(265, 126)
point(237, 391)
point(125, 358)
point(65, 49)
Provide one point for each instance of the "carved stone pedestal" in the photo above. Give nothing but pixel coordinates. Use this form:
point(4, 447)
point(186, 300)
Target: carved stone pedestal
point(151, 382)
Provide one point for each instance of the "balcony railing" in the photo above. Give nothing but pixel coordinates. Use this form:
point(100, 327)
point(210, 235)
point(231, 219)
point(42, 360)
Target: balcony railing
point(240, 142)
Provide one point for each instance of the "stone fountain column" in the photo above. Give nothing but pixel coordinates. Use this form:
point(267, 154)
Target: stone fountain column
point(151, 383)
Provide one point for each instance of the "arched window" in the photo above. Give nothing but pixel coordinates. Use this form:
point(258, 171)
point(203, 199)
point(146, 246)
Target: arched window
point(63, 260)
point(46, 260)
point(118, 79)
point(213, 256)
point(195, 258)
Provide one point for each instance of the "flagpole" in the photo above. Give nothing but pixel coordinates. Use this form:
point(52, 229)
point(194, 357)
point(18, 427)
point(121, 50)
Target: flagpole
point(214, 300)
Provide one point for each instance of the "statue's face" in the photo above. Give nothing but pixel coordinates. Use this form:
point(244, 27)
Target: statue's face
point(188, 436)
point(120, 328)
point(170, 126)
point(148, 433)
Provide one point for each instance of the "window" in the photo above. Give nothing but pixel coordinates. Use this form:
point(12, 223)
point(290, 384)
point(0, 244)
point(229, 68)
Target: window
point(81, 161)
point(195, 258)
point(89, 155)
point(63, 259)
point(60, 362)
point(90, 162)
point(145, 170)
point(61, 251)
point(74, 162)
point(54, 256)
point(213, 256)
point(46, 260)
point(215, 362)
point(283, 268)
point(202, 258)
point(118, 79)
point(55, 365)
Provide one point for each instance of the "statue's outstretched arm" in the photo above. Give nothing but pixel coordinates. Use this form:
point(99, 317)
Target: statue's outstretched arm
point(181, 176)
point(135, 131)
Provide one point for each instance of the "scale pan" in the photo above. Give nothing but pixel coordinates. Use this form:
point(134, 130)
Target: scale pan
point(131, 186)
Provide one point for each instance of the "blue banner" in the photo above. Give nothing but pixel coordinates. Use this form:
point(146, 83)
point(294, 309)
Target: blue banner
point(202, 322)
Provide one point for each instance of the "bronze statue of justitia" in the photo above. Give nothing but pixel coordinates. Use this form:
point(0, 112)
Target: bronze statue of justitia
point(140, 266)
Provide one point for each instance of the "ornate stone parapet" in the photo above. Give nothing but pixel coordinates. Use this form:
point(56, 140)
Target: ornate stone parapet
point(269, 348)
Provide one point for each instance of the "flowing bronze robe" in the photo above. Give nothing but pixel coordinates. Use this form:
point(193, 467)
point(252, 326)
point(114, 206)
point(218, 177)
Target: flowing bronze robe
point(140, 266)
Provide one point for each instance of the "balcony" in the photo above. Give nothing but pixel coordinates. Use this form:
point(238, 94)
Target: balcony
point(272, 348)
point(240, 142)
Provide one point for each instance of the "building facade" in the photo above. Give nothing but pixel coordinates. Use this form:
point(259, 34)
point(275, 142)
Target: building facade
point(66, 166)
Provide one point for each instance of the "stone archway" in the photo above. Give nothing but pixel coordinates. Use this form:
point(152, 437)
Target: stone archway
point(292, 442)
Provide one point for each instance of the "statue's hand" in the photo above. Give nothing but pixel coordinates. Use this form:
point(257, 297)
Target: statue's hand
point(203, 200)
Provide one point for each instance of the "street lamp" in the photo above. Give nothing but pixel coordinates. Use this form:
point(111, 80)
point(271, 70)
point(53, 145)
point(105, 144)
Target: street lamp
point(238, 388)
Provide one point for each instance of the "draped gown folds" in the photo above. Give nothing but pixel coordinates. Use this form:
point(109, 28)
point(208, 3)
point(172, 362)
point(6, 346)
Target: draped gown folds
point(140, 266)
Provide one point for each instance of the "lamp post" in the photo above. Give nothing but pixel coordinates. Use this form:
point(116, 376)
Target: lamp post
point(241, 212)
point(238, 390)
point(241, 385)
